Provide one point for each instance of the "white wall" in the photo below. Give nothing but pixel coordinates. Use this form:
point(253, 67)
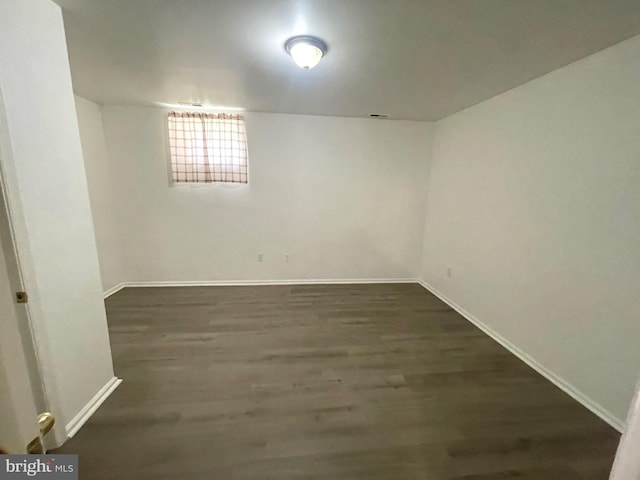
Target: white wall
point(18, 410)
point(343, 196)
point(627, 462)
point(103, 208)
point(44, 175)
point(534, 202)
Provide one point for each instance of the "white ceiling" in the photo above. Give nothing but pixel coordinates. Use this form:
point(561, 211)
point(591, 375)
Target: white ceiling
point(411, 59)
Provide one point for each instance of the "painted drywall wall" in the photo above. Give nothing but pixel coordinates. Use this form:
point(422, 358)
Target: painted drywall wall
point(627, 462)
point(103, 209)
point(534, 204)
point(344, 197)
point(44, 176)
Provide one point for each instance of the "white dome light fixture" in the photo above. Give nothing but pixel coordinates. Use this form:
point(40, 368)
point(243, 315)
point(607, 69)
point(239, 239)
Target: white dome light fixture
point(306, 51)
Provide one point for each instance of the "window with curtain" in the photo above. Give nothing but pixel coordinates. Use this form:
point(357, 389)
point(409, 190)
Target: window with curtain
point(208, 147)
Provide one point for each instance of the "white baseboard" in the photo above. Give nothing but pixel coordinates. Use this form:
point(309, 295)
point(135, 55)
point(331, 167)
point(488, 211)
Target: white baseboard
point(239, 283)
point(576, 394)
point(90, 408)
point(114, 289)
point(565, 386)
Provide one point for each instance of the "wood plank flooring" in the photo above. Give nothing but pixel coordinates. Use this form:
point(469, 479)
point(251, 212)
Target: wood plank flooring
point(325, 382)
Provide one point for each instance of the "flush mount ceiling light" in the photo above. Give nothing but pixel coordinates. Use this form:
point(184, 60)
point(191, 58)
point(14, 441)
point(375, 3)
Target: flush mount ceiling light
point(306, 51)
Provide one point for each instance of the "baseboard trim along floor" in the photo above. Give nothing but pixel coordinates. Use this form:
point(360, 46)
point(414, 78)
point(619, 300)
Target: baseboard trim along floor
point(577, 395)
point(326, 381)
point(569, 389)
point(90, 408)
point(253, 283)
point(114, 289)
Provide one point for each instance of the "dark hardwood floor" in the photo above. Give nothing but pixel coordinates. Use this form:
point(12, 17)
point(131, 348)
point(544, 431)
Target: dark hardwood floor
point(325, 382)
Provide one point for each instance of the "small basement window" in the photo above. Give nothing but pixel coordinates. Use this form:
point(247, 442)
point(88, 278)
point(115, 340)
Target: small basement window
point(208, 147)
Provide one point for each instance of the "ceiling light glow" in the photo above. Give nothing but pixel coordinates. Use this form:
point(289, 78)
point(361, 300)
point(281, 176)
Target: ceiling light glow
point(306, 51)
point(199, 106)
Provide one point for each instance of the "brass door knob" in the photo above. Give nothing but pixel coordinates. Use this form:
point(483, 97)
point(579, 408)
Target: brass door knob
point(46, 421)
point(35, 447)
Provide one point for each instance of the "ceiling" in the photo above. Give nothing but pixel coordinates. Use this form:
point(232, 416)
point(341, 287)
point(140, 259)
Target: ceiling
point(410, 59)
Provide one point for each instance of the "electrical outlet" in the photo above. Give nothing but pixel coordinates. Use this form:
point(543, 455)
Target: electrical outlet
point(287, 256)
point(260, 257)
point(449, 272)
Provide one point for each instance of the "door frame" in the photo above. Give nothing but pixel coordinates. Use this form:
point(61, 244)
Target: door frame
point(18, 410)
point(16, 252)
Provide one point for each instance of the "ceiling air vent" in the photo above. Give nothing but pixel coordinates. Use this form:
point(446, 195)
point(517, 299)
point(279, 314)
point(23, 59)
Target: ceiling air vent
point(378, 115)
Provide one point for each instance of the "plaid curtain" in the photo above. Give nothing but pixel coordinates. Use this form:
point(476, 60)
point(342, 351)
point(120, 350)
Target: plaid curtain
point(207, 147)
